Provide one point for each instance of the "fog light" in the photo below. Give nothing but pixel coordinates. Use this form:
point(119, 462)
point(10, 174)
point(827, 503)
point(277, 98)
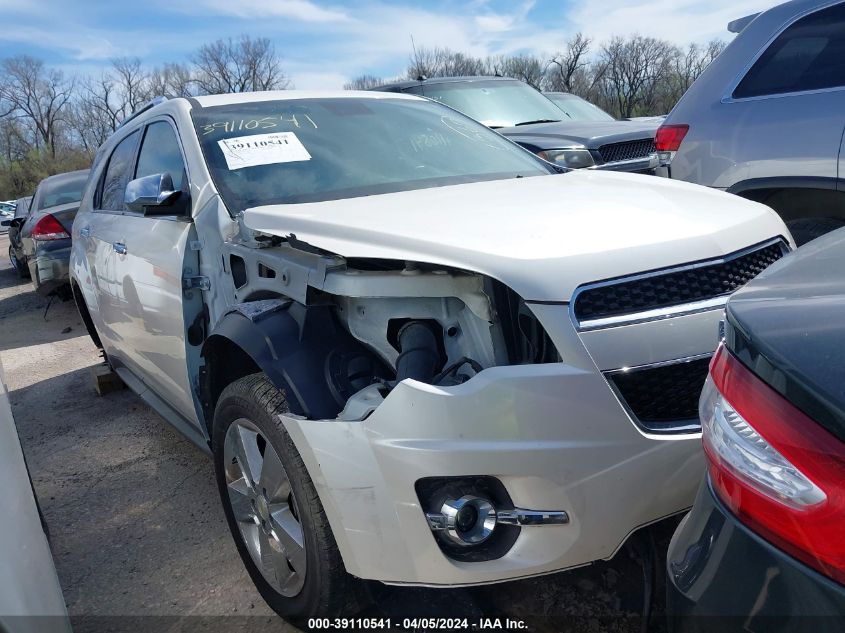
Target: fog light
point(466, 521)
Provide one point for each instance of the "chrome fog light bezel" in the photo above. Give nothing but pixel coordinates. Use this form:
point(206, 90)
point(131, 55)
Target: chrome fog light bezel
point(483, 524)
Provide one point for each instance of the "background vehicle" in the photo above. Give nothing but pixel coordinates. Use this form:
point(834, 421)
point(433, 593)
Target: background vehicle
point(578, 109)
point(401, 374)
point(763, 544)
point(14, 229)
point(525, 116)
point(765, 119)
point(41, 240)
point(30, 596)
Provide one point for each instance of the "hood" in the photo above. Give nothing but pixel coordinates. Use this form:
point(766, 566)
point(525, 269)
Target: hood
point(543, 236)
point(591, 134)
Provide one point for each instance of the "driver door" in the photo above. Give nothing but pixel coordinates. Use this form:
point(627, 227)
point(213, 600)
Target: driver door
point(150, 255)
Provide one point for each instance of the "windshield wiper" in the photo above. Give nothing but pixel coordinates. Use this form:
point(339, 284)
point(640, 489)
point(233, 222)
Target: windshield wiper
point(537, 121)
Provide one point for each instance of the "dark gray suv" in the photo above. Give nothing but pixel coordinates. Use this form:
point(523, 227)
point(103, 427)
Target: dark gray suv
point(526, 116)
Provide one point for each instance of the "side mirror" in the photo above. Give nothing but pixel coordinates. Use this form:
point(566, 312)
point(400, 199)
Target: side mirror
point(149, 194)
point(6, 223)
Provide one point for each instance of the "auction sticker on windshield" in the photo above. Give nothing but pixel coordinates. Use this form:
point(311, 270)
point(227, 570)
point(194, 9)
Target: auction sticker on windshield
point(262, 149)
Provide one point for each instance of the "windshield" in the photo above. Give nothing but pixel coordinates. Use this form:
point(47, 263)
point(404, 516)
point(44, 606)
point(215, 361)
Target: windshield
point(61, 191)
point(493, 103)
point(577, 109)
point(311, 150)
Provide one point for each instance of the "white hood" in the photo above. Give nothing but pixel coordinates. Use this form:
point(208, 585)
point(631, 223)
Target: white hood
point(542, 236)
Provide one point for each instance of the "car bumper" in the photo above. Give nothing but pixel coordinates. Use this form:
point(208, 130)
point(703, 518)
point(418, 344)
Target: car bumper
point(555, 435)
point(50, 268)
point(722, 576)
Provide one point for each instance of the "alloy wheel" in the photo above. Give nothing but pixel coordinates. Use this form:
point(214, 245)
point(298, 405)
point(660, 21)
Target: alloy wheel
point(264, 507)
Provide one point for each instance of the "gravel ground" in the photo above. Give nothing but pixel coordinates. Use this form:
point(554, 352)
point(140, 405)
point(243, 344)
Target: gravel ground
point(138, 534)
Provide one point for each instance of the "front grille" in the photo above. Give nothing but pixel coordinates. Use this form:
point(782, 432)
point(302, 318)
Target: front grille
point(676, 286)
point(629, 150)
point(663, 398)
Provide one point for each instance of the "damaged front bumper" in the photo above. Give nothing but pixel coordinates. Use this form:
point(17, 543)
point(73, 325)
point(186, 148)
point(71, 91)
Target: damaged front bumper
point(554, 435)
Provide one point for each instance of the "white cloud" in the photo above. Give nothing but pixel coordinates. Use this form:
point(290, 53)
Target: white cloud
point(301, 10)
point(85, 45)
point(679, 21)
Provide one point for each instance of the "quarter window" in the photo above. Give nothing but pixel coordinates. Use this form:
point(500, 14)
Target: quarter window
point(118, 173)
point(809, 55)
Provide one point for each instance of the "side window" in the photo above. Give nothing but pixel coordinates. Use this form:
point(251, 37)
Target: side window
point(118, 173)
point(160, 153)
point(809, 55)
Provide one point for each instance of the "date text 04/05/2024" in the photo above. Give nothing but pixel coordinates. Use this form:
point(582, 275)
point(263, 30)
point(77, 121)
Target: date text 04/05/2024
point(417, 624)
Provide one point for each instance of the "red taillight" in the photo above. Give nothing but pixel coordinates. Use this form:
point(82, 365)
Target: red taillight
point(49, 228)
point(778, 470)
point(669, 137)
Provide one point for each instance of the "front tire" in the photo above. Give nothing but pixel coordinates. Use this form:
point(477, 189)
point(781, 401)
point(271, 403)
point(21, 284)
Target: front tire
point(275, 516)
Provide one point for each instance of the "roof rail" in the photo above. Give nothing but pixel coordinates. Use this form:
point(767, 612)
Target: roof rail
point(149, 104)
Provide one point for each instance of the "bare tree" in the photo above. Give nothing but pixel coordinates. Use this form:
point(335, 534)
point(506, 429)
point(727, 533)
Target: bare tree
point(364, 82)
point(443, 62)
point(526, 68)
point(37, 96)
point(172, 80)
point(632, 72)
point(566, 68)
point(689, 65)
point(105, 101)
point(240, 65)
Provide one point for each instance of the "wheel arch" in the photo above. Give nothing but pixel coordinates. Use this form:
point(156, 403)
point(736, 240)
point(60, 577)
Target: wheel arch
point(291, 343)
point(795, 198)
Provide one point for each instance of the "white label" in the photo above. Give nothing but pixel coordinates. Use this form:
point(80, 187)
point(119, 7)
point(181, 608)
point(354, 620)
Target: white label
point(263, 149)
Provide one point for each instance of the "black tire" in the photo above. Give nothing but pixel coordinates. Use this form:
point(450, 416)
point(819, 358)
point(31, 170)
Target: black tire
point(328, 590)
point(20, 268)
point(807, 229)
point(85, 315)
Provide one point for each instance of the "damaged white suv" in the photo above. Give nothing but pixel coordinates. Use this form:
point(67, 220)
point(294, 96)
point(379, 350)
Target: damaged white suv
point(418, 353)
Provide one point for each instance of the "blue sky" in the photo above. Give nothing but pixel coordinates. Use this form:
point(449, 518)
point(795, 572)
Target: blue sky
point(325, 42)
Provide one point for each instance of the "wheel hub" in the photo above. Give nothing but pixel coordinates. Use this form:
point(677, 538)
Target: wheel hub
point(262, 508)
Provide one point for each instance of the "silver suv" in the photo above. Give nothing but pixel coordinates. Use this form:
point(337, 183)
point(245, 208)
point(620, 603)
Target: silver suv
point(417, 352)
point(766, 119)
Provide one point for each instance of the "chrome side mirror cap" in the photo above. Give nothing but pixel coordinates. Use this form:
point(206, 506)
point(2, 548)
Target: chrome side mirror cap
point(150, 192)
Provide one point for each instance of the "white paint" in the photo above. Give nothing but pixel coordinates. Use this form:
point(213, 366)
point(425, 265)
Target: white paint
point(542, 236)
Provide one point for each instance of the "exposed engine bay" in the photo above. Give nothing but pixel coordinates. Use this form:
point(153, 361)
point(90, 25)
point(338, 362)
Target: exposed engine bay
point(417, 321)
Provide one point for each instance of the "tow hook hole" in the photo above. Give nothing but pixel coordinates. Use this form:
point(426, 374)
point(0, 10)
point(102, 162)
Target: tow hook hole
point(452, 331)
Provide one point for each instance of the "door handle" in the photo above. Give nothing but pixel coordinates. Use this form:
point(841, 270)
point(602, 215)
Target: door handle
point(85, 232)
point(119, 248)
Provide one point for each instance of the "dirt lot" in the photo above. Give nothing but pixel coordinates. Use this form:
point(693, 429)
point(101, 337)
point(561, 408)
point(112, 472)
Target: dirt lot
point(136, 526)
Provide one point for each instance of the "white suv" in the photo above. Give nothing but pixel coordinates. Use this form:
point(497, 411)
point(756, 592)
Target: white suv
point(417, 352)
